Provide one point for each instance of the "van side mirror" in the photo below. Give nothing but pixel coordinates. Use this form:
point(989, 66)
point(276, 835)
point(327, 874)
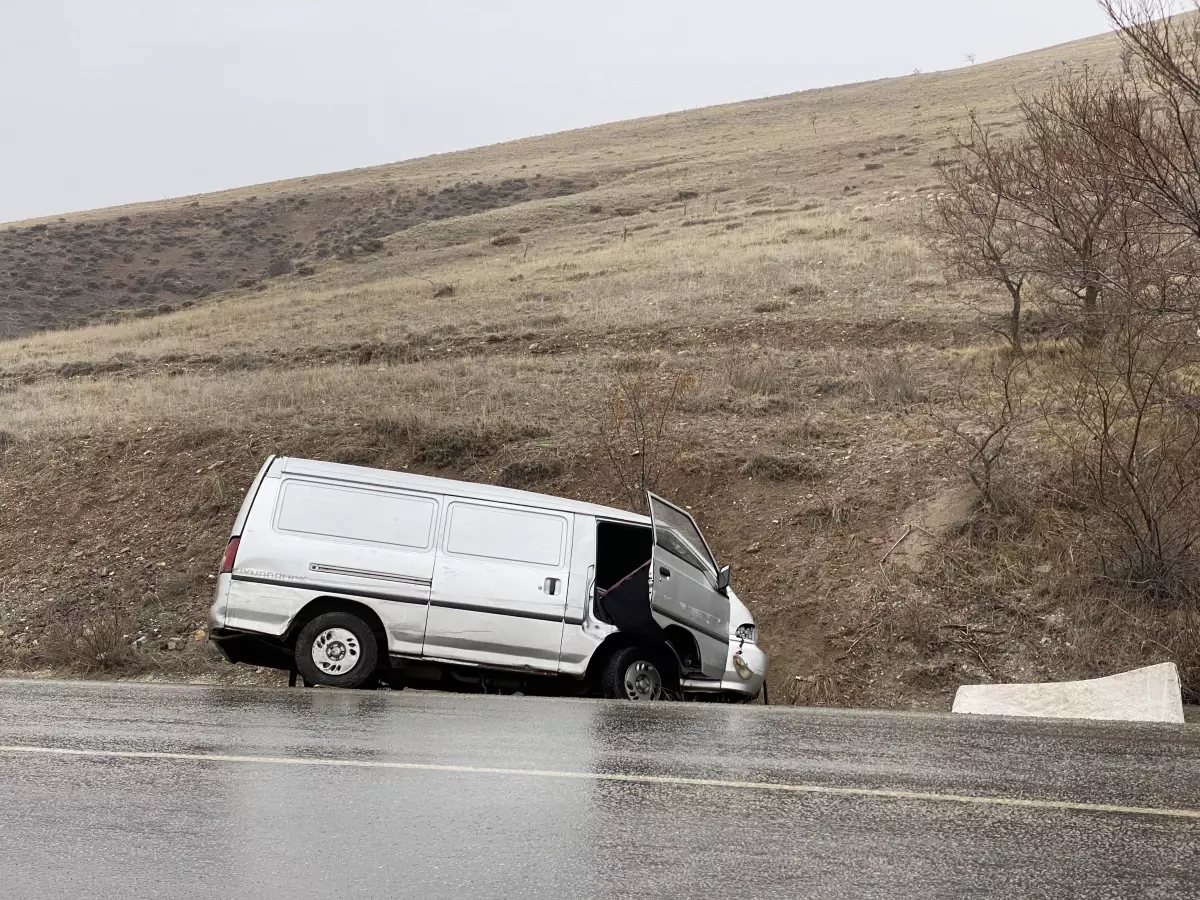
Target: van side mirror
point(723, 579)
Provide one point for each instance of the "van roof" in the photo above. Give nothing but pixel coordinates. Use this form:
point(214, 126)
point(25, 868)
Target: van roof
point(388, 478)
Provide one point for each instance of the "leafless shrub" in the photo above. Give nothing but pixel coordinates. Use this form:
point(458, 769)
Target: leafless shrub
point(213, 496)
point(1027, 581)
point(98, 642)
point(888, 380)
point(827, 515)
point(640, 436)
point(984, 421)
point(1123, 412)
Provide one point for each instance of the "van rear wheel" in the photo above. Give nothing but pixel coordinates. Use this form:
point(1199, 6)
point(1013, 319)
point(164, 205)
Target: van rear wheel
point(337, 649)
point(635, 673)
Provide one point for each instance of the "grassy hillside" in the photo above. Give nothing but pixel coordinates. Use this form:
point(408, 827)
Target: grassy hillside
point(470, 315)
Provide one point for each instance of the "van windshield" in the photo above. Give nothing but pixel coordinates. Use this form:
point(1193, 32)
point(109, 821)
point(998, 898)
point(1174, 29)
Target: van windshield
point(676, 532)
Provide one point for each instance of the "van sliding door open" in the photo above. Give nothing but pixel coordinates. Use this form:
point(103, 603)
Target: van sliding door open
point(684, 577)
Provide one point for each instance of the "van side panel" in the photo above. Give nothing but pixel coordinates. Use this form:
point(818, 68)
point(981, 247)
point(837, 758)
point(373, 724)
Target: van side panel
point(500, 586)
point(582, 634)
point(305, 538)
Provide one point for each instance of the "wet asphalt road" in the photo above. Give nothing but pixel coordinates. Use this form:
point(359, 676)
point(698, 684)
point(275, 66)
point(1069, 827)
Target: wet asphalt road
point(212, 793)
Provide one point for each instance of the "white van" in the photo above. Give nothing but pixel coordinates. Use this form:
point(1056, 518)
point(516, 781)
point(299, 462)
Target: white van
point(347, 574)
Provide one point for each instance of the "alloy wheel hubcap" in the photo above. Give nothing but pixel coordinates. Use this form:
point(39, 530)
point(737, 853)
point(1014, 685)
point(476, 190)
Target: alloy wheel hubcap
point(336, 651)
point(642, 682)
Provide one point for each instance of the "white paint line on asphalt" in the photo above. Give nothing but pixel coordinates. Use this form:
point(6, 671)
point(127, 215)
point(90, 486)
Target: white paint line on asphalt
point(879, 793)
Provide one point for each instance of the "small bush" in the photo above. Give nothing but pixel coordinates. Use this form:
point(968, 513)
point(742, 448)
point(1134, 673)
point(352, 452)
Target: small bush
point(773, 467)
point(754, 374)
point(806, 289)
point(816, 690)
point(7, 440)
point(213, 497)
point(195, 438)
point(826, 517)
point(775, 304)
point(450, 448)
point(98, 642)
point(888, 381)
point(528, 472)
point(174, 587)
point(505, 240)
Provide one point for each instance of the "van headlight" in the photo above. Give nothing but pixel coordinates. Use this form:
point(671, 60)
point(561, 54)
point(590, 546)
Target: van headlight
point(745, 633)
point(739, 665)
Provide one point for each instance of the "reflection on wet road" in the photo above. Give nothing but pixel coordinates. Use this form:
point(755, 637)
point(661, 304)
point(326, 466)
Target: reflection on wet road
point(136, 791)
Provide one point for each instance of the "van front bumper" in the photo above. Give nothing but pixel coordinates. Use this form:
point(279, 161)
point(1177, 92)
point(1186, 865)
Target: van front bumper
point(745, 669)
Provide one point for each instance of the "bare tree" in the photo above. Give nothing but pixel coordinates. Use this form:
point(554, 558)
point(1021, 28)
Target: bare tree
point(972, 226)
point(1045, 212)
point(1065, 194)
point(640, 435)
point(1096, 208)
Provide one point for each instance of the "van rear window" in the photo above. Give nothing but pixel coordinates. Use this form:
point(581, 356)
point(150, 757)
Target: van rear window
point(506, 534)
point(356, 515)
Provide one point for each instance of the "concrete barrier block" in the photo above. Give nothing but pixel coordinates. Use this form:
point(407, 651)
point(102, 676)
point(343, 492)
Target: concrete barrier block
point(1143, 695)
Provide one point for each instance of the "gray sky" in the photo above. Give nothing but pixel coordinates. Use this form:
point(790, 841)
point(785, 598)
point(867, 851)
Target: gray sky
point(115, 101)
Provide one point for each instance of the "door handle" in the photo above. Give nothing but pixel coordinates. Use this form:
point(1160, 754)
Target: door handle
point(664, 571)
point(551, 586)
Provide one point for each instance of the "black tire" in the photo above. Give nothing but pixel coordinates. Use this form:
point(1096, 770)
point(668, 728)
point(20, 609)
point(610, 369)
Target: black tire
point(638, 673)
point(333, 640)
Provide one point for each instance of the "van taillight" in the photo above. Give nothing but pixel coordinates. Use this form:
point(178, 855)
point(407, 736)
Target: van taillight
point(230, 555)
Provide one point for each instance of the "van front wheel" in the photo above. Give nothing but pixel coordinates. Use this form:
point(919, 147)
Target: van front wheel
point(635, 673)
point(336, 649)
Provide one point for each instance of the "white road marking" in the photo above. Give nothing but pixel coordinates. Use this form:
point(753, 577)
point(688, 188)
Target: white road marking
point(880, 793)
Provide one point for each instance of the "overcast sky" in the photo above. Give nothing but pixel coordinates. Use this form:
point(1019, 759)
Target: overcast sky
point(114, 101)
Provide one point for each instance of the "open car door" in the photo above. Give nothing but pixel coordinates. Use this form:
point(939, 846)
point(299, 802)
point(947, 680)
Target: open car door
point(684, 580)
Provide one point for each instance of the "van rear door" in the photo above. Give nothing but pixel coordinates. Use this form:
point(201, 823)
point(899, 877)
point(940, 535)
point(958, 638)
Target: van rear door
point(499, 594)
point(684, 584)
